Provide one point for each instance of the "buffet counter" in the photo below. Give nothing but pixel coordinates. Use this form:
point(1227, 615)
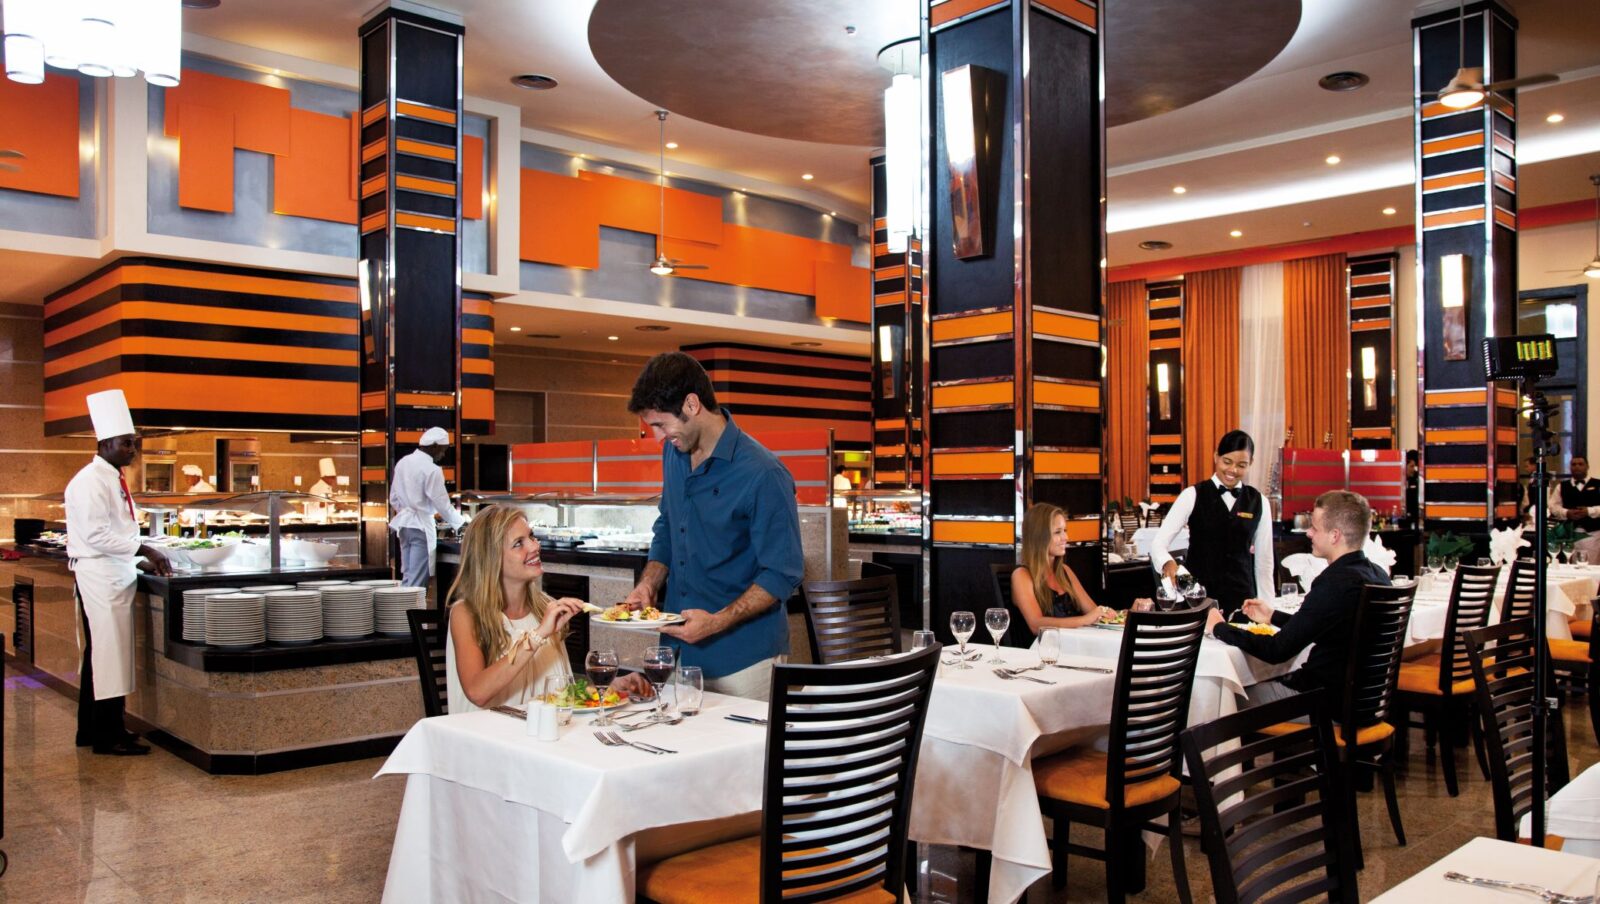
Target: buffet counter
point(228, 711)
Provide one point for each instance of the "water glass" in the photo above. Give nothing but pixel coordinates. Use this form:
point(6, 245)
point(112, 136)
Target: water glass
point(997, 620)
point(1485, 561)
point(1580, 558)
point(1049, 646)
point(962, 624)
point(921, 640)
point(1289, 593)
point(691, 690)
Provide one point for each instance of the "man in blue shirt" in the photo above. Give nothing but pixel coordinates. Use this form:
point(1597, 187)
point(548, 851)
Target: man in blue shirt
point(726, 553)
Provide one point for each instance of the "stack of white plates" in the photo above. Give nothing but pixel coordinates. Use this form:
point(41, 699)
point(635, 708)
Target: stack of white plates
point(194, 611)
point(391, 604)
point(318, 585)
point(294, 616)
point(379, 582)
point(347, 611)
point(267, 588)
point(236, 619)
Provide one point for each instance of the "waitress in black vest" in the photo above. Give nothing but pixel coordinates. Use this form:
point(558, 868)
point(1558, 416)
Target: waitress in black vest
point(1230, 530)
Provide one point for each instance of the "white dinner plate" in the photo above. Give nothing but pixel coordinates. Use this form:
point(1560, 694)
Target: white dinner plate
point(667, 618)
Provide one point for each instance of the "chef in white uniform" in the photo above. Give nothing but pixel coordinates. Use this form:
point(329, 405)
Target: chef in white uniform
point(416, 494)
point(103, 549)
point(198, 482)
point(324, 485)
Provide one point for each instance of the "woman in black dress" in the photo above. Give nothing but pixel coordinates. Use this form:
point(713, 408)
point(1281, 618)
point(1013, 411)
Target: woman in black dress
point(1045, 591)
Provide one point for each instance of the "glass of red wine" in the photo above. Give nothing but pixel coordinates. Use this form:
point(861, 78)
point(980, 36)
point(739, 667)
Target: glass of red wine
point(600, 667)
point(658, 665)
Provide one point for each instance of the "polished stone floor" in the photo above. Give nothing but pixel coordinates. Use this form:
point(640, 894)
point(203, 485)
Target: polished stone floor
point(86, 828)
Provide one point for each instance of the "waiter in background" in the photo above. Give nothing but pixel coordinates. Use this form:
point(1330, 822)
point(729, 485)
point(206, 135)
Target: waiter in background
point(102, 550)
point(416, 494)
point(1230, 530)
point(1577, 499)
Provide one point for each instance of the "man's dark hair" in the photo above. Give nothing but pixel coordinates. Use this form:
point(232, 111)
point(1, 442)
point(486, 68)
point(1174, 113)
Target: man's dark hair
point(666, 380)
point(1412, 456)
point(1235, 441)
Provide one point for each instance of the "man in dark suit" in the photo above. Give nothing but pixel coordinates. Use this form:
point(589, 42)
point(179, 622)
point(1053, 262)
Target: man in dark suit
point(1577, 499)
point(1339, 526)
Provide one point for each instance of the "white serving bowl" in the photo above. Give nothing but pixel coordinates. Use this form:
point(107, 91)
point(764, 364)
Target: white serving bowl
point(308, 551)
point(206, 558)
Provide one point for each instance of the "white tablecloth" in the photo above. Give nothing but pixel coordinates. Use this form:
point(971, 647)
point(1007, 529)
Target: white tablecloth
point(975, 772)
point(1574, 814)
point(1222, 671)
point(1487, 858)
point(490, 810)
point(1567, 593)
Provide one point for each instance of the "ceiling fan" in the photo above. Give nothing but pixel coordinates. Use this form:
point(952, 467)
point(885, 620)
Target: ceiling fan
point(1466, 87)
point(12, 154)
point(1592, 269)
point(663, 265)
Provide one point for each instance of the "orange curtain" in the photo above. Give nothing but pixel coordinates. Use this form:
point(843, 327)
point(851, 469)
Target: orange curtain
point(1210, 365)
point(1316, 341)
point(1127, 424)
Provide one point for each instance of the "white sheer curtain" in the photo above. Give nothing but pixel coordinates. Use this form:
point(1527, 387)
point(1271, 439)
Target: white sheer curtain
point(1261, 392)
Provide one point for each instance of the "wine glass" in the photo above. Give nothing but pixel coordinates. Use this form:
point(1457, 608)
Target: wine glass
point(600, 666)
point(1435, 564)
point(997, 620)
point(1450, 563)
point(1049, 646)
point(1566, 550)
point(1485, 561)
point(962, 624)
point(658, 663)
point(1195, 593)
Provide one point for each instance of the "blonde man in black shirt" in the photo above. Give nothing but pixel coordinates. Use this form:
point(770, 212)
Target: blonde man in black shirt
point(1339, 526)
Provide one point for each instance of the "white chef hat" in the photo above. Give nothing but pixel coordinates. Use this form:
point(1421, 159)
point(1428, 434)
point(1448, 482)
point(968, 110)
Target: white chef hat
point(325, 467)
point(108, 411)
point(193, 471)
point(435, 436)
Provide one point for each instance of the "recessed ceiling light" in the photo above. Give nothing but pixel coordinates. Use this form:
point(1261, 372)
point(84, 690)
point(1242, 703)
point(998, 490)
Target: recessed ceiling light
point(1343, 81)
point(533, 81)
point(1554, 117)
point(613, 338)
point(806, 344)
point(833, 213)
point(652, 328)
point(1388, 211)
point(1155, 245)
point(1236, 233)
point(1179, 190)
point(672, 145)
point(516, 329)
point(1333, 159)
point(201, 4)
point(542, 336)
point(807, 176)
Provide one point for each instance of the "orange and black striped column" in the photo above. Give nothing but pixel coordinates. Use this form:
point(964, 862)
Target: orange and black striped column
point(897, 353)
point(1370, 292)
point(410, 247)
point(1012, 287)
point(1466, 268)
point(1164, 381)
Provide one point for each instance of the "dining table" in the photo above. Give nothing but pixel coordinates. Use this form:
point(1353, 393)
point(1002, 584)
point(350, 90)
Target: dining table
point(1568, 593)
point(1489, 858)
point(1573, 814)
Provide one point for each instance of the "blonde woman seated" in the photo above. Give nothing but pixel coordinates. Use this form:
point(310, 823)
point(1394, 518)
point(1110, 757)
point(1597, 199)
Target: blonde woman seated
point(505, 633)
point(1043, 588)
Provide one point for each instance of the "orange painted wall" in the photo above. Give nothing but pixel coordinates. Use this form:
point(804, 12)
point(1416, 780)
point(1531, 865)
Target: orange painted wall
point(41, 121)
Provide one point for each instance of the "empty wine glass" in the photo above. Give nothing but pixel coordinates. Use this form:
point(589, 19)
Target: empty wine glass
point(962, 624)
point(997, 620)
point(1049, 646)
point(658, 663)
point(1435, 564)
point(1450, 563)
point(1566, 550)
point(600, 666)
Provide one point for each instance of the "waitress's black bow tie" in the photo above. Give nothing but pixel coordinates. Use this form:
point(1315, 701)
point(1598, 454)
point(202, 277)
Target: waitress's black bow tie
point(1233, 495)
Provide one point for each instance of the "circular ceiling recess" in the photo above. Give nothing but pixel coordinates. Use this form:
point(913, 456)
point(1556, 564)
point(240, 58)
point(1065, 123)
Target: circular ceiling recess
point(789, 69)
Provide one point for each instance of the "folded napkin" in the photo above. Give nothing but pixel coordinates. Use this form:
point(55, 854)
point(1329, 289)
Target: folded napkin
point(1305, 567)
point(1504, 543)
point(1378, 555)
point(1113, 558)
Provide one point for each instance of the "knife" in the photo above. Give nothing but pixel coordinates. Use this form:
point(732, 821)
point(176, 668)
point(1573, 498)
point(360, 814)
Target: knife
point(748, 720)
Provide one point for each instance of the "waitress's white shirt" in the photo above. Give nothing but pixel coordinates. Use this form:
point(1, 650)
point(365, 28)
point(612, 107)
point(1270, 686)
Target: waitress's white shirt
point(1177, 519)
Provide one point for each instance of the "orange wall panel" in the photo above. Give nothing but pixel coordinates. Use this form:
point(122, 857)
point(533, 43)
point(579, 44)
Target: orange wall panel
point(41, 121)
point(471, 177)
point(205, 158)
point(560, 221)
point(844, 292)
point(262, 111)
point(636, 206)
point(313, 179)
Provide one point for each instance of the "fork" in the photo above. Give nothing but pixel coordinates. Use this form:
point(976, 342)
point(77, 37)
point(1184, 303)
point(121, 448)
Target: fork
point(1553, 897)
point(1012, 676)
point(636, 726)
point(612, 739)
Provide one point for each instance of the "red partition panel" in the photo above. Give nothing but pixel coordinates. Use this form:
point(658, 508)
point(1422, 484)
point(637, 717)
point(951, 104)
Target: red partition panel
point(628, 467)
point(553, 467)
point(1380, 476)
point(1307, 474)
point(808, 454)
point(1377, 474)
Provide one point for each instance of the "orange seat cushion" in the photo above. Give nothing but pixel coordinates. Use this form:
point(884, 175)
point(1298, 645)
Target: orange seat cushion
point(1420, 678)
point(1569, 650)
point(1372, 734)
point(730, 871)
point(1079, 776)
point(1580, 628)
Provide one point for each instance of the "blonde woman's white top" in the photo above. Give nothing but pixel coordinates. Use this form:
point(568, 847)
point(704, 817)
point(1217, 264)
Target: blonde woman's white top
point(549, 660)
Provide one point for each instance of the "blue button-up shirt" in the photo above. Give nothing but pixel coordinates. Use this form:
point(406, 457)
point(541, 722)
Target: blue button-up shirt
point(728, 524)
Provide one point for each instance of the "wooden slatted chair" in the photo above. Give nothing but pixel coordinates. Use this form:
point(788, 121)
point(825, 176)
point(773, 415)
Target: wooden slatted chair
point(841, 761)
point(1576, 661)
point(1122, 789)
point(1272, 820)
point(848, 620)
point(1522, 585)
point(1017, 634)
point(1440, 688)
point(1364, 736)
point(428, 637)
point(1502, 667)
point(1129, 521)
